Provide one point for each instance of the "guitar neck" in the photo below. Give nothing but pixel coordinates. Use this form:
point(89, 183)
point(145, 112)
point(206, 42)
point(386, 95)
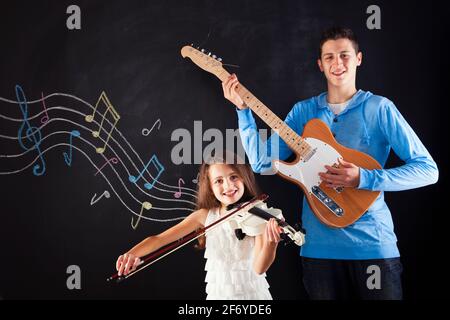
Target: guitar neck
point(292, 139)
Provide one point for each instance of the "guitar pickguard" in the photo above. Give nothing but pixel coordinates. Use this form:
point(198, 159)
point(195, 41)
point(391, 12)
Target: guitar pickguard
point(307, 171)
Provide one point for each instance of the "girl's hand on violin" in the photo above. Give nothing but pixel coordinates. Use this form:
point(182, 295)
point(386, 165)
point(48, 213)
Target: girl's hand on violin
point(229, 91)
point(127, 263)
point(272, 233)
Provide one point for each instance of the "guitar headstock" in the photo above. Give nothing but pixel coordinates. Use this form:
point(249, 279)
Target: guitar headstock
point(207, 61)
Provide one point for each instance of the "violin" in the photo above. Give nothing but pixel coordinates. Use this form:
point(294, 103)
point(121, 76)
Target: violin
point(251, 216)
point(177, 244)
point(253, 221)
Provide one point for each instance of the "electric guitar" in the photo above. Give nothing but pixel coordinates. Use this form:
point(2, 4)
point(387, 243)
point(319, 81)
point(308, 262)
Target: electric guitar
point(335, 207)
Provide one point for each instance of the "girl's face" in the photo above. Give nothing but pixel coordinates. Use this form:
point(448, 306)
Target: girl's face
point(226, 184)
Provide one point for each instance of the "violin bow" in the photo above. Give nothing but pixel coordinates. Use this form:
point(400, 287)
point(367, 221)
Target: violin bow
point(177, 244)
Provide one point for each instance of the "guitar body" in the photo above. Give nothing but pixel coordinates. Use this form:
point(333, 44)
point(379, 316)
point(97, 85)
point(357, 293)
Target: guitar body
point(333, 206)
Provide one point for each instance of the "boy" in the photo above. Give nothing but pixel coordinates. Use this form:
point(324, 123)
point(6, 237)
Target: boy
point(336, 261)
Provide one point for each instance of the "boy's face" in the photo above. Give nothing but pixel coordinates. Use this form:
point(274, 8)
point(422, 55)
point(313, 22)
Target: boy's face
point(339, 62)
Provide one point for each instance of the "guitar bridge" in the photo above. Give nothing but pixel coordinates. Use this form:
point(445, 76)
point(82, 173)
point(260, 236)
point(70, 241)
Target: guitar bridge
point(327, 201)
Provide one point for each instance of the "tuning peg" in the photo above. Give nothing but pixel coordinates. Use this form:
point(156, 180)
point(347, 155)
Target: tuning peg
point(203, 50)
point(219, 59)
point(209, 53)
point(214, 56)
point(286, 239)
point(298, 227)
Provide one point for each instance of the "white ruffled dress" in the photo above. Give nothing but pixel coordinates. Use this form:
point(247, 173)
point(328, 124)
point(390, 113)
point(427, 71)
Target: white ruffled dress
point(229, 265)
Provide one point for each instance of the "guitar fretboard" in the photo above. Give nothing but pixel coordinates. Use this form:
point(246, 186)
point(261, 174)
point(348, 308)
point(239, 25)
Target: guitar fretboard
point(292, 139)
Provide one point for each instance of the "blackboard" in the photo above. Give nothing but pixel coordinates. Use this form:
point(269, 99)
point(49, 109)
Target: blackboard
point(127, 55)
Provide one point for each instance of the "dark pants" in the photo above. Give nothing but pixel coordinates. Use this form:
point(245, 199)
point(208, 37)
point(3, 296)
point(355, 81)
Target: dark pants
point(377, 279)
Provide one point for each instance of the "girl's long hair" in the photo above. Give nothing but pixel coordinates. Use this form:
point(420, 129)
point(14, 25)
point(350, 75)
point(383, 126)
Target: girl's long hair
point(205, 196)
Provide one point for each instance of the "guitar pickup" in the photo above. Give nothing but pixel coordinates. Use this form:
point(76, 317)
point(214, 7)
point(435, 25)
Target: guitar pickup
point(327, 201)
point(309, 155)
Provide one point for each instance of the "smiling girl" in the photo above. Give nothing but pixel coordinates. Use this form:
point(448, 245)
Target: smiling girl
point(235, 268)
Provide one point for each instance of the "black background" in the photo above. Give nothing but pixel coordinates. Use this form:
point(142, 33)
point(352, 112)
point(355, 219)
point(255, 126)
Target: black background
point(131, 49)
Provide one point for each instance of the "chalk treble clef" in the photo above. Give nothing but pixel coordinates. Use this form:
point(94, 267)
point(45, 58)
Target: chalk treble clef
point(33, 134)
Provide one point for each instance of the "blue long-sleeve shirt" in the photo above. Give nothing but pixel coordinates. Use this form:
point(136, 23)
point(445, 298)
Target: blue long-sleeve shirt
point(371, 124)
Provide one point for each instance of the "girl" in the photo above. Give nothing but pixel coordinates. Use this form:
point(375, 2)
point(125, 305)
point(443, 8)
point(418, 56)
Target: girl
point(235, 268)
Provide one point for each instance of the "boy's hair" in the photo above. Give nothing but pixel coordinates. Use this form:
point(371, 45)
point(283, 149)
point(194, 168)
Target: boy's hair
point(206, 198)
point(335, 33)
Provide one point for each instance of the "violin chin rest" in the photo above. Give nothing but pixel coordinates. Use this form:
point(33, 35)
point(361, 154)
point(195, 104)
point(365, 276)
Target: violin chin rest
point(239, 234)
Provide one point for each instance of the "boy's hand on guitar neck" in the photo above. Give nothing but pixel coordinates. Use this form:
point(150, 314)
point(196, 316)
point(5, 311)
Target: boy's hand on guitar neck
point(229, 91)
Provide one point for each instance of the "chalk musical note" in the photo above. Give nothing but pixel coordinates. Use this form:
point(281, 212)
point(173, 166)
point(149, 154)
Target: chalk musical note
point(104, 194)
point(113, 160)
point(158, 166)
point(196, 179)
point(114, 114)
point(32, 134)
point(146, 132)
point(178, 193)
point(90, 118)
point(68, 158)
point(45, 118)
point(145, 205)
